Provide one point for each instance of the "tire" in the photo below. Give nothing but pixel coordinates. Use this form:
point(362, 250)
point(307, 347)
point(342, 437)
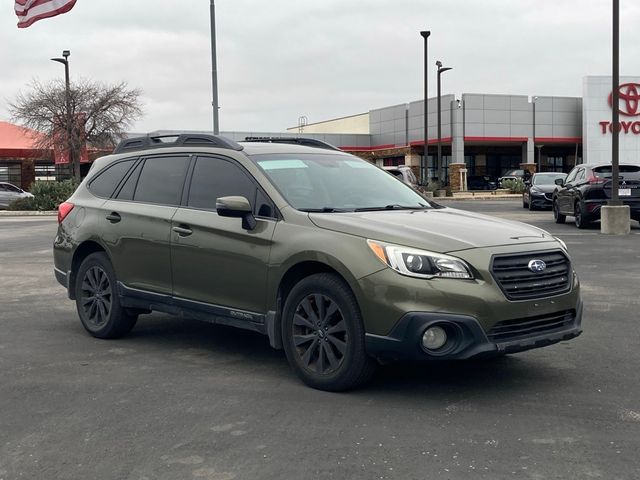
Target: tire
point(557, 216)
point(530, 205)
point(323, 334)
point(524, 204)
point(97, 300)
point(581, 221)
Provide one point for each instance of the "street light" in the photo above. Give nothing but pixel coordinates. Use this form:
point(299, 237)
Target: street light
point(441, 70)
point(67, 95)
point(425, 34)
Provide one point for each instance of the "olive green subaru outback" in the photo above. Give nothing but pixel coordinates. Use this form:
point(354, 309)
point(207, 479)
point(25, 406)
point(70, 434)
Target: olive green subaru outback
point(335, 260)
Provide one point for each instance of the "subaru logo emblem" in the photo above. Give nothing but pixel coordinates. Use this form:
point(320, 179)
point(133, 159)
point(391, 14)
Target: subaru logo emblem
point(537, 266)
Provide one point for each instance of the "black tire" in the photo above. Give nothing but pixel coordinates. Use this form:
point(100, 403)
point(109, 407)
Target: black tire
point(97, 299)
point(581, 221)
point(557, 216)
point(524, 204)
point(530, 205)
point(323, 334)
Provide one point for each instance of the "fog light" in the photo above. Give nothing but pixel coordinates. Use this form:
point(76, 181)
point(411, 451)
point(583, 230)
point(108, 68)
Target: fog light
point(434, 338)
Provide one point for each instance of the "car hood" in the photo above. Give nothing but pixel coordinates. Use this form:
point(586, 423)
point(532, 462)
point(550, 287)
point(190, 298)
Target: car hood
point(440, 230)
point(544, 188)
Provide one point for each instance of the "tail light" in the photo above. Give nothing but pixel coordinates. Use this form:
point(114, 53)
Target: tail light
point(64, 209)
point(595, 180)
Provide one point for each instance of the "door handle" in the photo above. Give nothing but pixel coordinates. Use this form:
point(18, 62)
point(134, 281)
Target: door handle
point(114, 217)
point(182, 230)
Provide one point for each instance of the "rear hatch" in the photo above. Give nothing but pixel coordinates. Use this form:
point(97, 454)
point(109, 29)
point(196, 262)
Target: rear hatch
point(629, 181)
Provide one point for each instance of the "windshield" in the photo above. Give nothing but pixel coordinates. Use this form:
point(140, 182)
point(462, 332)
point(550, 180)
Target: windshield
point(547, 179)
point(330, 182)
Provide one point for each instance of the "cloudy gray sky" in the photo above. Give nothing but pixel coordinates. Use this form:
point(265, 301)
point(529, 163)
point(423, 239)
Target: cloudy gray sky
point(280, 59)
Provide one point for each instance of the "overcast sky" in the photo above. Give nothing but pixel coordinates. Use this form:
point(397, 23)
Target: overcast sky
point(280, 59)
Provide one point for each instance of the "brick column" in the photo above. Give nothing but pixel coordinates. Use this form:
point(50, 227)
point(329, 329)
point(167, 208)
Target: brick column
point(529, 166)
point(454, 177)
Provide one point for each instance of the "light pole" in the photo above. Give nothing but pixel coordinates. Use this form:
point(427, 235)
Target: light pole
point(425, 34)
point(441, 70)
point(214, 69)
point(615, 104)
point(539, 169)
point(67, 94)
point(534, 130)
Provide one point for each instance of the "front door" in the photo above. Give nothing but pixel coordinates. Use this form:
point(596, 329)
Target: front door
point(214, 260)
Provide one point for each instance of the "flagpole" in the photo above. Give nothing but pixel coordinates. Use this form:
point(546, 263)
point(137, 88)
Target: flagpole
point(214, 70)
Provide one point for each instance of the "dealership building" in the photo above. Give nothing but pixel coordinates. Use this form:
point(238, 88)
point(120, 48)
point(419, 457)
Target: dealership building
point(481, 134)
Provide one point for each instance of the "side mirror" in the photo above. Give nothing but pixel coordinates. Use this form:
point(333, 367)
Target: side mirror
point(237, 207)
point(527, 182)
point(559, 182)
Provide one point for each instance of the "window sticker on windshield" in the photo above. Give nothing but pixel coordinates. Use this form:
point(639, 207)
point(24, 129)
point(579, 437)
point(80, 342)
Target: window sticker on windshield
point(355, 164)
point(281, 164)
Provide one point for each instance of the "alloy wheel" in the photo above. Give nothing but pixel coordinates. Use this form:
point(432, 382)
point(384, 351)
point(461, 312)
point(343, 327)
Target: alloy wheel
point(319, 334)
point(96, 296)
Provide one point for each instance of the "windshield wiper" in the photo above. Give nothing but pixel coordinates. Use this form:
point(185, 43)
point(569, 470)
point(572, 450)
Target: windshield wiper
point(393, 206)
point(324, 210)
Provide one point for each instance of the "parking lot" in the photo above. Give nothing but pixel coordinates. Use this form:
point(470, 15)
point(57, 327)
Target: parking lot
point(180, 399)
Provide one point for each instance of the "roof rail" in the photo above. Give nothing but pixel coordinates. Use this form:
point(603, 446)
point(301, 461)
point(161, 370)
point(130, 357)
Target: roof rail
point(166, 140)
point(307, 142)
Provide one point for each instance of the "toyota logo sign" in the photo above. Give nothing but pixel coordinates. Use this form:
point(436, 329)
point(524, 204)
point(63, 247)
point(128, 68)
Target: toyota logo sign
point(629, 99)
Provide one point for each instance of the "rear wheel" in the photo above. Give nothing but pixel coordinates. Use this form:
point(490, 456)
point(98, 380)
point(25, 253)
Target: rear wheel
point(97, 299)
point(524, 204)
point(323, 334)
point(581, 221)
point(557, 216)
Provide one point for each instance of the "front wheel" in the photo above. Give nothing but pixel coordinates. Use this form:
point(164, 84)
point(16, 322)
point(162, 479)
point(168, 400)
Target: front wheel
point(557, 216)
point(97, 299)
point(323, 334)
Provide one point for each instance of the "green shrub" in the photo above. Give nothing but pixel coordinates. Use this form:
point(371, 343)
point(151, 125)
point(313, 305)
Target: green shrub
point(433, 185)
point(46, 196)
point(515, 186)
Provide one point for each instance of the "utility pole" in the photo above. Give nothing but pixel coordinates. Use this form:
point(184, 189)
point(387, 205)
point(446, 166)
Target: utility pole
point(425, 34)
point(214, 70)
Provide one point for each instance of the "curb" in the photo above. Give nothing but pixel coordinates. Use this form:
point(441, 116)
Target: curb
point(26, 213)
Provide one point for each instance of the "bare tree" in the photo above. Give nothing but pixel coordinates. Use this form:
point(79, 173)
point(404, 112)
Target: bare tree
point(99, 115)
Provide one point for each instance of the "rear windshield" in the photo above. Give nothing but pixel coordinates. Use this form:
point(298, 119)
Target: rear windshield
point(627, 172)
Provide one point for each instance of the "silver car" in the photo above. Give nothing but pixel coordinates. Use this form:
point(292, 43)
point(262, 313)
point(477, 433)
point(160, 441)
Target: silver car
point(9, 193)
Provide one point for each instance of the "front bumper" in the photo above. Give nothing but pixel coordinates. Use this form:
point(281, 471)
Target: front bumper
point(540, 200)
point(404, 342)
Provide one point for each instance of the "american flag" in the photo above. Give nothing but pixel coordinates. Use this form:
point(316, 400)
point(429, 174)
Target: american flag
point(30, 11)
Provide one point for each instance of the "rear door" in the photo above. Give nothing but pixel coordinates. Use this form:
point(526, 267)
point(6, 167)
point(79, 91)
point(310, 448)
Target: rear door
point(214, 260)
point(137, 222)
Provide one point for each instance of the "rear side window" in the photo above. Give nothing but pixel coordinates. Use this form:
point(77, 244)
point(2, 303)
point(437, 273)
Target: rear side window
point(106, 182)
point(128, 188)
point(161, 180)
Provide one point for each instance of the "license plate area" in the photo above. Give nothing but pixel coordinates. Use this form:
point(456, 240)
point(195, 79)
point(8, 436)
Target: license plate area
point(624, 192)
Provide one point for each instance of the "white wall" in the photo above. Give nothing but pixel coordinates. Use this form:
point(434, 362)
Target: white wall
point(596, 109)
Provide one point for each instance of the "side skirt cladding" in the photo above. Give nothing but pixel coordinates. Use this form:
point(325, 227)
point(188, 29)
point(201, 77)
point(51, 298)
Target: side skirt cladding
point(185, 308)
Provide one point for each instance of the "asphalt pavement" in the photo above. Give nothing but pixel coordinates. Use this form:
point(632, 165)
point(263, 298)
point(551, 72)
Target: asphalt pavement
point(185, 400)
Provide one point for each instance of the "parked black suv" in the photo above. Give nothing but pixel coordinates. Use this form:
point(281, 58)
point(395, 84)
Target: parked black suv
point(588, 187)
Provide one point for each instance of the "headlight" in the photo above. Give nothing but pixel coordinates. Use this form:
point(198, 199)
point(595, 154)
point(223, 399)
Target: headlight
point(535, 190)
point(420, 263)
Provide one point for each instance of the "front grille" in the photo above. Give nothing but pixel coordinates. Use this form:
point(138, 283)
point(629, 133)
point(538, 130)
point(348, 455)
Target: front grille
point(518, 282)
point(532, 326)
